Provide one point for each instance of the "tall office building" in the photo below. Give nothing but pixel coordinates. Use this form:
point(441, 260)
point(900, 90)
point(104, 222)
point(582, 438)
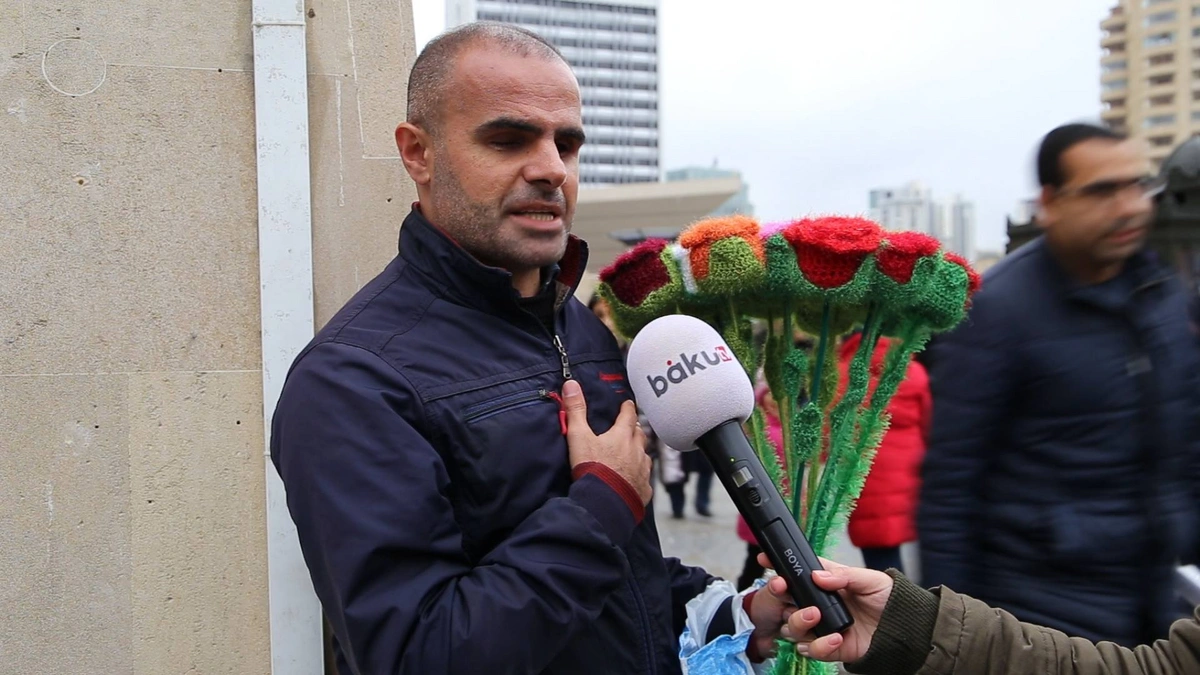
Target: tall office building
point(910, 207)
point(612, 45)
point(959, 229)
point(738, 204)
point(1149, 67)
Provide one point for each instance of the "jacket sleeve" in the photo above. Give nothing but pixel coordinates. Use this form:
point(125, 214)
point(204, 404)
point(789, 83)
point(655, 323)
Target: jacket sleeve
point(973, 638)
point(1194, 556)
point(368, 494)
point(944, 633)
point(972, 382)
point(686, 583)
point(925, 403)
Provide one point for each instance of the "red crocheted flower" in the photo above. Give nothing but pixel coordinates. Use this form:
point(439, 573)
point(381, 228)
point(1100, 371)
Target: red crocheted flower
point(974, 281)
point(699, 238)
point(901, 252)
point(829, 251)
point(637, 272)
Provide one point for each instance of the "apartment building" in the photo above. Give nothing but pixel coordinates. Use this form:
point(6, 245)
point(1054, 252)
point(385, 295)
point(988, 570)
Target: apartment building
point(1150, 71)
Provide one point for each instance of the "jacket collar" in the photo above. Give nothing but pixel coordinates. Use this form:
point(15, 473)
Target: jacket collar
point(431, 250)
point(1145, 272)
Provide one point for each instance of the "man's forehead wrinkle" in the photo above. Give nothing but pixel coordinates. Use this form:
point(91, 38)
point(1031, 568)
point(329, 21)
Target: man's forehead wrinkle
point(546, 108)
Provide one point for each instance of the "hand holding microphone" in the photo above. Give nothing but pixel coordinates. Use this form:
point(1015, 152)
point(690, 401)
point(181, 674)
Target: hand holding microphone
point(694, 393)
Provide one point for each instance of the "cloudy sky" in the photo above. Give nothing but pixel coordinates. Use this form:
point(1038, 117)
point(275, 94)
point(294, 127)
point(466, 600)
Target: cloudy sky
point(818, 102)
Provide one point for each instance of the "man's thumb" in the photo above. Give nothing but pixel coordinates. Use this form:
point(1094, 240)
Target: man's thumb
point(576, 407)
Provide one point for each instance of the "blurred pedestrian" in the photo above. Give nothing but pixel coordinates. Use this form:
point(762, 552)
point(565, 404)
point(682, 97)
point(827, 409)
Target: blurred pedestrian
point(1063, 473)
point(676, 468)
point(600, 308)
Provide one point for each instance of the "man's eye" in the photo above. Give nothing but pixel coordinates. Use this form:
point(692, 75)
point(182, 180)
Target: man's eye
point(506, 144)
point(1101, 189)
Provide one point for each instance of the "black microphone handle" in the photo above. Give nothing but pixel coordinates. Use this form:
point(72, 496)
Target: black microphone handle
point(742, 473)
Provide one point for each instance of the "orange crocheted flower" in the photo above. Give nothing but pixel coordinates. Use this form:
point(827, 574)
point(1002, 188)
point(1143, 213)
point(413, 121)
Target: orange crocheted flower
point(699, 238)
point(829, 251)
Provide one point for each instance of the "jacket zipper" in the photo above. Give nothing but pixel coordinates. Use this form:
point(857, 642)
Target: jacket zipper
point(565, 360)
point(647, 637)
point(645, 617)
point(562, 357)
point(504, 403)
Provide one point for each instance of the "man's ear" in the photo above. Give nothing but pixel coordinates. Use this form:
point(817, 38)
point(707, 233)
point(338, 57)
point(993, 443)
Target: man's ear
point(413, 142)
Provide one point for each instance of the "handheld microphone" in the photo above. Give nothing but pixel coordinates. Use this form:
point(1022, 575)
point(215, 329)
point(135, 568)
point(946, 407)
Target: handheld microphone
point(695, 393)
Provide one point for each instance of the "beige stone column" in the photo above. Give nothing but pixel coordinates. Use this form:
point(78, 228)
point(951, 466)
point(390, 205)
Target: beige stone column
point(132, 525)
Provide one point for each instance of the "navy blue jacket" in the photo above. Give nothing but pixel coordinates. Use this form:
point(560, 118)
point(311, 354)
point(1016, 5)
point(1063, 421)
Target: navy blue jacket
point(428, 476)
point(1063, 473)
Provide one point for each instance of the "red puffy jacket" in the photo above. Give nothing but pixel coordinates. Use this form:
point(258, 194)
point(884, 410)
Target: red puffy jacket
point(886, 511)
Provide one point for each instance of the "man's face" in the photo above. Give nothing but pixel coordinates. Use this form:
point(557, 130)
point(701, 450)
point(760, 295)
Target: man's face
point(505, 158)
point(1102, 214)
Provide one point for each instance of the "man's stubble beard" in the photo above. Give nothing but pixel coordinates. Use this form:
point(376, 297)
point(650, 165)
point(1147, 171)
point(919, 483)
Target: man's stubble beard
point(476, 227)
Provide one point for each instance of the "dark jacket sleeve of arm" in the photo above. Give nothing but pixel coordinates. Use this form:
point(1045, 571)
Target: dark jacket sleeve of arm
point(1194, 557)
point(686, 583)
point(368, 494)
point(972, 381)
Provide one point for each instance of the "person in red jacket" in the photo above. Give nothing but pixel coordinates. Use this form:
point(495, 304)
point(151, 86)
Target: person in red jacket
point(885, 516)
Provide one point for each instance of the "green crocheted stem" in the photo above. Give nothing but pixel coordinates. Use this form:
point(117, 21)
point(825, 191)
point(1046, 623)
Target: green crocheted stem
point(793, 374)
point(912, 339)
point(804, 425)
point(806, 435)
point(822, 349)
point(913, 336)
point(845, 419)
point(811, 667)
point(738, 334)
point(785, 659)
point(766, 452)
point(788, 662)
point(824, 387)
point(816, 387)
point(870, 441)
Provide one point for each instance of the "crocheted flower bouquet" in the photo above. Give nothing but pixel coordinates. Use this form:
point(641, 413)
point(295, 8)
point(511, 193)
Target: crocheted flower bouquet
point(826, 276)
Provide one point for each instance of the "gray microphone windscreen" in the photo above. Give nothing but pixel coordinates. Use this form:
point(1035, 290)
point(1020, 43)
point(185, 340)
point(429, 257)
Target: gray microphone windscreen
point(686, 379)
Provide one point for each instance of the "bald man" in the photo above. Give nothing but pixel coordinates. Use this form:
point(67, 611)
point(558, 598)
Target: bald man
point(462, 459)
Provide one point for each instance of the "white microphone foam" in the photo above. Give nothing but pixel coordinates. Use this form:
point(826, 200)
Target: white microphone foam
point(686, 379)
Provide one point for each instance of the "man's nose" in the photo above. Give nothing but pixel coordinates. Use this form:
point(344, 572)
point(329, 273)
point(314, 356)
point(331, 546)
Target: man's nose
point(546, 165)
